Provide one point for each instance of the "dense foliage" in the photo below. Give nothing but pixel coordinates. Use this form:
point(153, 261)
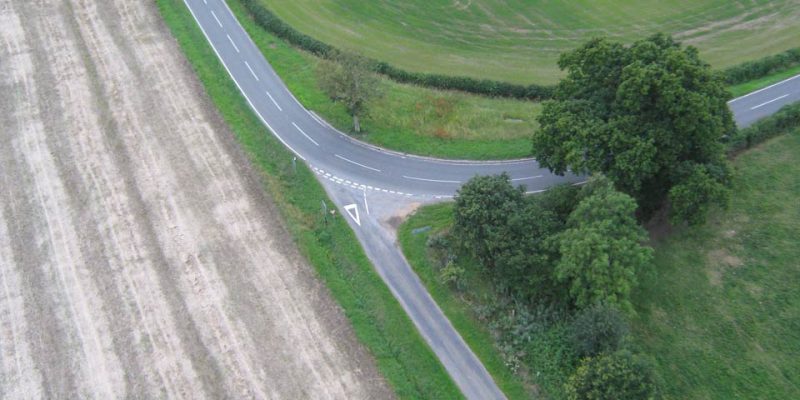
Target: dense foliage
point(600, 328)
point(601, 251)
point(615, 376)
point(647, 116)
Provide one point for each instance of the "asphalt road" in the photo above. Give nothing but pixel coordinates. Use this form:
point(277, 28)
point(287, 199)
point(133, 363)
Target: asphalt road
point(375, 187)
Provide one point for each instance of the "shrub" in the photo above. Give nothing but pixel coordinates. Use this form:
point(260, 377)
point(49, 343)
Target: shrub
point(616, 376)
point(599, 329)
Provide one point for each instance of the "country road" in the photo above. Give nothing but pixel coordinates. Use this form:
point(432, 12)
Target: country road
point(139, 256)
point(376, 187)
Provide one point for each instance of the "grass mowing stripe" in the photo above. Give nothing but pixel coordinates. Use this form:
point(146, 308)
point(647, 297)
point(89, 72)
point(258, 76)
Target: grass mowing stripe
point(519, 40)
point(378, 320)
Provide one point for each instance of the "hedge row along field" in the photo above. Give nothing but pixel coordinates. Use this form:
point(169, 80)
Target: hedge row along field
point(519, 41)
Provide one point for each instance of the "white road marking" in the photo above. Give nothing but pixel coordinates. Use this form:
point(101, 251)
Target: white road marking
point(429, 180)
point(233, 44)
point(768, 87)
point(352, 211)
point(276, 105)
point(215, 17)
point(360, 165)
point(366, 205)
point(251, 70)
point(526, 178)
point(767, 102)
point(304, 134)
point(249, 102)
point(205, 2)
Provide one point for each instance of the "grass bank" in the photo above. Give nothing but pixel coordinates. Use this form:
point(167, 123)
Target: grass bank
point(408, 118)
point(721, 313)
point(747, 87)
point(520, 41)
point(378, 320)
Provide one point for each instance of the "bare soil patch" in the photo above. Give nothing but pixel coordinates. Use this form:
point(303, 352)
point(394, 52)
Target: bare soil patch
point(139, 257)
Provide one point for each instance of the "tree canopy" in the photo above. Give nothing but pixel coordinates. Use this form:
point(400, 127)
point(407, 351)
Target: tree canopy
point(615, 376)
point(601, 251)
point(642, 115)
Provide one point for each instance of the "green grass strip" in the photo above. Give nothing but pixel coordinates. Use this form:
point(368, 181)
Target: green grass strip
point(379, 322)
point(747, 87)
point(459, 312)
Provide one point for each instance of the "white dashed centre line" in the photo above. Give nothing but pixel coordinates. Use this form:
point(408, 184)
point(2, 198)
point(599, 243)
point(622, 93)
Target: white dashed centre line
point(767, 102)
point(526, 178)
point(213, 14)
point(304, 134)
point(251, 70)
point(276, 105)
point(359, 164)
point(233, 44)
point(429, 180)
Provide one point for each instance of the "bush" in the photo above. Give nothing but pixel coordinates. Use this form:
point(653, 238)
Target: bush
point(782, 121)
point(269, 21)
point(617, 376)
point(762, 67)
point(599, 329)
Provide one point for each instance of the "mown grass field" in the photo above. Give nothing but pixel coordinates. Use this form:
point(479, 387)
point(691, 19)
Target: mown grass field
point(719, 314)
point(520, 40)
point(409, 118)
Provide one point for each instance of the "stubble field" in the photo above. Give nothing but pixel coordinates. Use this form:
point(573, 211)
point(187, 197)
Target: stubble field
point(138, 255)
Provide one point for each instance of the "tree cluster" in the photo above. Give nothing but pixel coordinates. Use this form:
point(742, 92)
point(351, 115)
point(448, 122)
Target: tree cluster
point(649, 116)
point(583, 244)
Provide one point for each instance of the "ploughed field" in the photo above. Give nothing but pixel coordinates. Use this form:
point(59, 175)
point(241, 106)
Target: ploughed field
point(138, 255)
point(520, 40)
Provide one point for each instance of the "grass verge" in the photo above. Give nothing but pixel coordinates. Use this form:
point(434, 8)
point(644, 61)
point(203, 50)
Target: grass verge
point(747, 87)
point(720, 314)
point(380, 323)
point(408, 118)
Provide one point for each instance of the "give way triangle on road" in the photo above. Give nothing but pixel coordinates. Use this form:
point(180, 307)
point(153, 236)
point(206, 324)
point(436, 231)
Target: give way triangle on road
point(352, 211)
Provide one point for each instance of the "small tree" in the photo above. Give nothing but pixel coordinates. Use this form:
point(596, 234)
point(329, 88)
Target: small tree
point(348, 78)
point(484, 206)
point(617, 376)
point(599, 329)
point(601, 251)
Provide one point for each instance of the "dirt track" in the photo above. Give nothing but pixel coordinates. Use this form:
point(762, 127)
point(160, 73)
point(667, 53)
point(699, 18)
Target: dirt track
point(138, 256)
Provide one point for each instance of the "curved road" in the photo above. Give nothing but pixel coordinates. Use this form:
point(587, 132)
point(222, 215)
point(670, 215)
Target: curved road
point(352, 171)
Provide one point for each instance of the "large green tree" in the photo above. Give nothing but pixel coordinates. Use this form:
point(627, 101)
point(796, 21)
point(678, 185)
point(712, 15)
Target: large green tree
point(601, 250)
point(649, 116)
point(509, 234)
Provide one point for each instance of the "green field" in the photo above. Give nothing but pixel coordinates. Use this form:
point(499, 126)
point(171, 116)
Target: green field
point(720, 313)
point(520, 40)
point(409, 118)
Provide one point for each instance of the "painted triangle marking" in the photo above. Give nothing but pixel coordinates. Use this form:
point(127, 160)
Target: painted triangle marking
point(352, 211)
